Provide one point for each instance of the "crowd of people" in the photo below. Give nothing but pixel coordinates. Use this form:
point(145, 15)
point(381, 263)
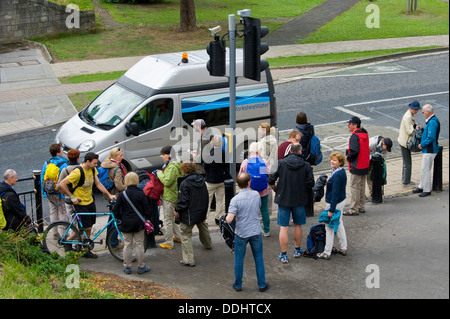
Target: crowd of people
point(270, 173)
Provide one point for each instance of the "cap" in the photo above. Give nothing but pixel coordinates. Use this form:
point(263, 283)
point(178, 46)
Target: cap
point(355, 120)
point(388, 143)
point(414, 105)
point(198, 122)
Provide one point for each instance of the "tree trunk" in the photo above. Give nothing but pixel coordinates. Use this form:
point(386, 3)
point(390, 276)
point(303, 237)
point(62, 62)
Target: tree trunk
point(188, 21)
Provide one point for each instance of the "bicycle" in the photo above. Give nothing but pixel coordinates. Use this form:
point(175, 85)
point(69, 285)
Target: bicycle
point(80, 241)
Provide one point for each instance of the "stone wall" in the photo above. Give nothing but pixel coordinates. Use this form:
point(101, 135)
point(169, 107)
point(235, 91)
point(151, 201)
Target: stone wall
point(21, 19)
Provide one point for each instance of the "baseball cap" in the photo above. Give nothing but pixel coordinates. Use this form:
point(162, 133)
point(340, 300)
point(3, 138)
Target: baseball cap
point(414, 105)
point(388, 143)
point(198, 122)
point(355, 120)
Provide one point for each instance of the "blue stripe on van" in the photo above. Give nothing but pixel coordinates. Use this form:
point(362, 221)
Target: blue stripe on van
point(217, 101)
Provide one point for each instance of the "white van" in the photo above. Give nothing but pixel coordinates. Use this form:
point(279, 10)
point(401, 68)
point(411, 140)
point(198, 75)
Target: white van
point(142, 111)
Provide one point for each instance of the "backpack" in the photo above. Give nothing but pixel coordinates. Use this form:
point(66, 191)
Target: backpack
point(2, 215)
point(258, 172)
point(315, 243)
point(313, 153)
point(154, 188)
point(319, 188)
point(227, 231)
point(413, 144)
point(103, 176)
point(51, 176)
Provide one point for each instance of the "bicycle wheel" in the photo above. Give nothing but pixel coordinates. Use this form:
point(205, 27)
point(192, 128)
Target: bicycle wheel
point(115, 245)
point(53, 240)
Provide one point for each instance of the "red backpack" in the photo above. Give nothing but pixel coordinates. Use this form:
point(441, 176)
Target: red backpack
point(154, 188)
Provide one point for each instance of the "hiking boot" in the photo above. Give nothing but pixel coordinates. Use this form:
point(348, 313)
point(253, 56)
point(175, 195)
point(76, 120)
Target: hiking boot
point(283, 258)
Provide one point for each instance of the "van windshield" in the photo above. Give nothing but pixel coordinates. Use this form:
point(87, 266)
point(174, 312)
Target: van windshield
point(111, 107)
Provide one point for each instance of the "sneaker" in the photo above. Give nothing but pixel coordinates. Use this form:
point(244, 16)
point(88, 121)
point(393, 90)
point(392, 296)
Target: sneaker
point(166, 246)
point(143, 270)
point(127, 270)
point(298, 253)
point(283, 258)
point(266, 234)
point(176, 240)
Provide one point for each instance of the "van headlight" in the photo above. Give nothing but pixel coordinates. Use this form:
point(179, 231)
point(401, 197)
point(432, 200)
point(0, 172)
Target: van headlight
point(86, 146)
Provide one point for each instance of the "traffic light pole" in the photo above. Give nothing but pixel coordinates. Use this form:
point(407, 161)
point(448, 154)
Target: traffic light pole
point(232, 84)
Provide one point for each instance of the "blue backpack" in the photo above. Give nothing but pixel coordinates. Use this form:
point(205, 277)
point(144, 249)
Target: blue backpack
point(103, 177)
point(315, 242)
point(313, 153)
point(258, 172)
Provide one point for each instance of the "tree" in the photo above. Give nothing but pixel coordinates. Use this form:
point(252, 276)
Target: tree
point(188, 21)
point(412, 6)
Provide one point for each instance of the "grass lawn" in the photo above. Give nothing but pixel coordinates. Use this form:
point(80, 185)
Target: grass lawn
point(154, 28)
point(431, 18)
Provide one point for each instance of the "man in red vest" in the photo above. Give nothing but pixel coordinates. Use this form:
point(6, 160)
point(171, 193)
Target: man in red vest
point(358, 157)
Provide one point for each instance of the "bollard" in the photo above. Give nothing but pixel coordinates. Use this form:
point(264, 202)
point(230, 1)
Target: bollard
point(38, 196)
point(377, 178)
point(229, 192)
point(437, 171)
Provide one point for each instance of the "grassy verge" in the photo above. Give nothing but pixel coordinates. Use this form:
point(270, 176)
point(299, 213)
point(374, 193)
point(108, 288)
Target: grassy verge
point(430, 19)
point(81, 100)
point(28, 273)
point(335, 57)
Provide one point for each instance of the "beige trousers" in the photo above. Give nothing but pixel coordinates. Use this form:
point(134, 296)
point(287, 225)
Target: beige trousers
point(136, 239)
point(187, 249)
point(357, 193)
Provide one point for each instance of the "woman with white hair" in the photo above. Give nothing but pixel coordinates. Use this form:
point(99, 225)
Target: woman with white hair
point(253, 158)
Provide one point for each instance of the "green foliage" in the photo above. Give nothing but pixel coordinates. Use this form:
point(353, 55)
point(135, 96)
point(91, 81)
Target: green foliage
point(26, 249)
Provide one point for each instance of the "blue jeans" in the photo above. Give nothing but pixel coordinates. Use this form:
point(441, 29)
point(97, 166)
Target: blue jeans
point(256, 245)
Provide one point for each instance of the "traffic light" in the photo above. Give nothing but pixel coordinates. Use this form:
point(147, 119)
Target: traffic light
point(253, 48)
point(216, 51)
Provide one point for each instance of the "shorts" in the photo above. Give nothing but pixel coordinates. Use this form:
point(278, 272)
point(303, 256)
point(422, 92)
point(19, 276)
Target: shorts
point(284, 215)
point(86, 220)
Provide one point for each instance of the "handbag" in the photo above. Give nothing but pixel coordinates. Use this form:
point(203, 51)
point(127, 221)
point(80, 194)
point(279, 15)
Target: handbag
point(147, 223)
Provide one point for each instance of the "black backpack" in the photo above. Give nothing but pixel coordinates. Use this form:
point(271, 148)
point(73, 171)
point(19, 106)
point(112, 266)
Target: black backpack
point(315, 243)
point(227, 231)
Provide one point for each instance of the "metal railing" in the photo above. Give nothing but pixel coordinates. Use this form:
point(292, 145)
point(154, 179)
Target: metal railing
point(32, 199)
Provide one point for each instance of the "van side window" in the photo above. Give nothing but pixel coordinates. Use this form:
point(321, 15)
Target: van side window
point(214, 108)
point(155, 114)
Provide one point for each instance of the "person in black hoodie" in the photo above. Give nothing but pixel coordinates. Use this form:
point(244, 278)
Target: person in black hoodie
point(191, 210)
point(131, 226)
point(294, 177)
point(13, 209)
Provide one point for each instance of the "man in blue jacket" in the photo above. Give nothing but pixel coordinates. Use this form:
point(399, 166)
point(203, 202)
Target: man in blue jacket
point(54, 198)
point(430, 148)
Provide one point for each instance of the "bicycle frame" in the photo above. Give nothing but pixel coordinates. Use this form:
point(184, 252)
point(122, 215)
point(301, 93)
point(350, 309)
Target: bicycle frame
point(81, 228)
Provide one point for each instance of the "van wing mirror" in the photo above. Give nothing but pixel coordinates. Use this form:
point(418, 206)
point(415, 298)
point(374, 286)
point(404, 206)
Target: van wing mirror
point(132, 128)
